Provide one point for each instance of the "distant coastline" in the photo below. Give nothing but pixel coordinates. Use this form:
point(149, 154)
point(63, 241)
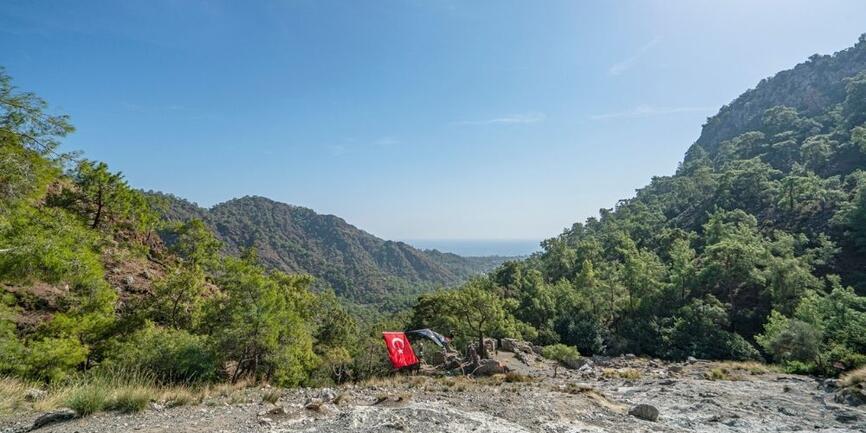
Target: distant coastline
point(479, 247)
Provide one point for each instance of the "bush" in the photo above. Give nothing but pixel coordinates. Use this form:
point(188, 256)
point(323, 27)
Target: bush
point(789, 339)
point(699, 330)
point(798, 367)
point(130, 399)
point(170, 356)
point(566, 355)
point(53, 359)
point(88, 399)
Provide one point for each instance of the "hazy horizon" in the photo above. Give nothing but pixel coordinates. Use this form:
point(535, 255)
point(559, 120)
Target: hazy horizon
point(479, 247)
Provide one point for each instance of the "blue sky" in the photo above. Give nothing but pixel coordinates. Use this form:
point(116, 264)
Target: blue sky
point(410, 119)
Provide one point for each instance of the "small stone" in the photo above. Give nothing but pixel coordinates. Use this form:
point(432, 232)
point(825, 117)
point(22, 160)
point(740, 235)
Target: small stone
point(830, 383)
point(59, 415)
point(279, 410)
point(328, 394)
point(691, 360)
point(129, 280)
point(645, 412)
point(314, 404)
point(34, 394)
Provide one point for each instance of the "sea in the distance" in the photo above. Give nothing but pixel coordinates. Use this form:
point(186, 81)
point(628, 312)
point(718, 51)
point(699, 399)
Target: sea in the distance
point(479, 247)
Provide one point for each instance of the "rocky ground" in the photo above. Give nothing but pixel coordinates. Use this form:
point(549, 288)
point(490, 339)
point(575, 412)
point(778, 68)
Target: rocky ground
point(690, 397)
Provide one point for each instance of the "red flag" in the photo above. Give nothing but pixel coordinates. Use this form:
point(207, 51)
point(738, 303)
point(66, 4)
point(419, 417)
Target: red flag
point(399, 350)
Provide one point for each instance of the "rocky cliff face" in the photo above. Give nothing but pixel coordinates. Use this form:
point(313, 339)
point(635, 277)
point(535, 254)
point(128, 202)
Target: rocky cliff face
point(809, 87)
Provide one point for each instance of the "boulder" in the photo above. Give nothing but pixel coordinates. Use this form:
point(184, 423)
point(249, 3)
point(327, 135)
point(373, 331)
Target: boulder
point(852, 395)
point(314, 404)
point(489, 346)
point(645, 412)
point(691, 360)
point(489, 367)
point(59, 415)
point(830, 383)
point(577, 363)
point(513, 345)
point(34, 394)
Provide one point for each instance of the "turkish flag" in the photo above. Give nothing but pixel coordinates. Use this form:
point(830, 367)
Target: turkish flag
point(399, 350)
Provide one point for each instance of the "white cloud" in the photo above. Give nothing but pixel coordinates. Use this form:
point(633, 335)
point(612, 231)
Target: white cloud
point(626, 64)
point(511, 119)
point(649, 111)
point(386, 141)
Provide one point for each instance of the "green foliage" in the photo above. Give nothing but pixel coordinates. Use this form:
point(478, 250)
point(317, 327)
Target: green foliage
point(471, 312)
point(560, 352)
point(167, 355)
point(194, 244)
point(699, 330)
point(255, 324)
point(39, 244)
point(177, 299)
point(104, 199)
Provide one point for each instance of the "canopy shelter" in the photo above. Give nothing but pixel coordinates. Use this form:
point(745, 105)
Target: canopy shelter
point(429, 334)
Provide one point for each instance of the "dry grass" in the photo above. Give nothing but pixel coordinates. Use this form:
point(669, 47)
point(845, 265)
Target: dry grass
point(718, 373)
point(853, 377)
point(752, 367)
point(621, 373)
point(578, 388)
point(88, 394)
point(11, 394)
point(181, 396)
point(272, 395)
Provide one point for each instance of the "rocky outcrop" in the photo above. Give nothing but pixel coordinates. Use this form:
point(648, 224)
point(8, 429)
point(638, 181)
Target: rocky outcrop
point(59, 415)
point(853, 395)
point(645, 412)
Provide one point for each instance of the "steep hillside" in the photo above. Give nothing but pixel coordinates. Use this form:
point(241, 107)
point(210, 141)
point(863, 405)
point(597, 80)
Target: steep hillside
point(810, 88)
point(755, 248)
point(355, 263)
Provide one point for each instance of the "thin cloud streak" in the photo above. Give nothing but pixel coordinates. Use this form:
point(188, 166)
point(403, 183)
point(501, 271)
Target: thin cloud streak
point(649, 111)
point(512, 119)
point(625, 65)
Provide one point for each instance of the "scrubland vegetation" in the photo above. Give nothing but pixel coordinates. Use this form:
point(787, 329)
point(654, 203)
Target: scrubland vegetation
point(754, 250)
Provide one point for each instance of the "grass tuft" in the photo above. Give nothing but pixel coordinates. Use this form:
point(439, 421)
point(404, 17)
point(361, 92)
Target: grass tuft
point(131, 399)
point(272, 395)
point(87, 399)
point(853, 377)
point(622, 373)
point(718, 373)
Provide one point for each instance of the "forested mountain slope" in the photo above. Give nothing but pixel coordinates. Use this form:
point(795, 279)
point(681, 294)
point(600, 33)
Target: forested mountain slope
point(756, 247)
point(355, 263)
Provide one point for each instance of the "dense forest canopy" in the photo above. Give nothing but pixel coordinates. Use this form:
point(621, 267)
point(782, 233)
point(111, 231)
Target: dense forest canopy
point(755, 248)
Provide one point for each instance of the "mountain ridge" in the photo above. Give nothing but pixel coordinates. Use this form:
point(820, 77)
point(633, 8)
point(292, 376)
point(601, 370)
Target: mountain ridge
point(355, 263)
